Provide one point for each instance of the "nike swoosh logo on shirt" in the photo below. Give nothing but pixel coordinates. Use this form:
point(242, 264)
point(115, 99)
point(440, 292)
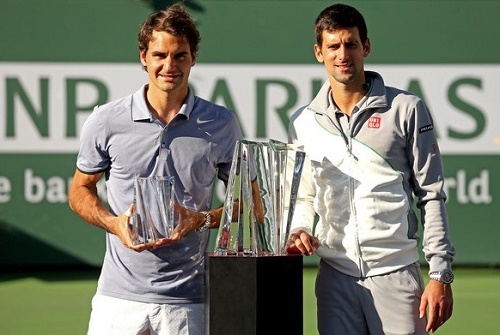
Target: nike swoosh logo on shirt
point(200, 121)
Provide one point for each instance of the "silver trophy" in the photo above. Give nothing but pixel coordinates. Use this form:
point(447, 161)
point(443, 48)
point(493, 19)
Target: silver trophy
point(153, 215)
point(260, 199)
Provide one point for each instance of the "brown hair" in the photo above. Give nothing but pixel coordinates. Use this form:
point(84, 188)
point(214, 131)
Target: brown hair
point(340, 16)
point(174, 20)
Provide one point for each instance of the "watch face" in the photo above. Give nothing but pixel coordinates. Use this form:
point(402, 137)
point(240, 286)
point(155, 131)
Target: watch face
point(447, 277)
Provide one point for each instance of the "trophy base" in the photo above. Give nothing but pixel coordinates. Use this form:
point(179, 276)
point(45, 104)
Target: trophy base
point(254, 295)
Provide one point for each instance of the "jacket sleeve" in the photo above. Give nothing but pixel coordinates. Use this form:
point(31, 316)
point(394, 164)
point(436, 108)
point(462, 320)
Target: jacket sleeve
point(428, 181)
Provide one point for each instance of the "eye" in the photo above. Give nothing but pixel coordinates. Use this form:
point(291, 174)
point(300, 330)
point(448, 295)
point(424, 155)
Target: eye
point(158, 55)
point(181, 56)
point(334, 46)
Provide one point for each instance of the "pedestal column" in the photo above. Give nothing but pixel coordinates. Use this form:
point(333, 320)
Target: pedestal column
point(254, 295)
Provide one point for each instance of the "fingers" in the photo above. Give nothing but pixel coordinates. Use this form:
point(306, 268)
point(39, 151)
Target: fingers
point(438, 315)
point(139, 247)
point(432, 323)
point(129, 211)
point(436, 320)
point(293, 250)
point(156, 244)
point(302, 243)
point(304, 246)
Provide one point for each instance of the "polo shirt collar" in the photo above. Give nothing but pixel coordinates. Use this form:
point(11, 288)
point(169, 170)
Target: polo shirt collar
point(140, 110)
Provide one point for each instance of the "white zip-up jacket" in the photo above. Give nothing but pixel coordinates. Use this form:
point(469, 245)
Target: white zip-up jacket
point(361, 177)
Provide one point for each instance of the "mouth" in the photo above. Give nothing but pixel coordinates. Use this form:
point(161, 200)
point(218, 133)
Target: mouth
point(344, 67)
point(168, 76)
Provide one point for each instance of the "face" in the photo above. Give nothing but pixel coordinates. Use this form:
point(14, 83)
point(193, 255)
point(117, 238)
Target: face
point(343, 55)
point(168, 62)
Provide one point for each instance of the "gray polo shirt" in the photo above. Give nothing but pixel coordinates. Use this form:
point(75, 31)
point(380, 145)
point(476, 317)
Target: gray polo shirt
point(123, 139)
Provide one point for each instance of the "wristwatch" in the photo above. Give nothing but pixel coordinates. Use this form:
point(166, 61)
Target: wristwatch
point(445, 276)
point(208, 222)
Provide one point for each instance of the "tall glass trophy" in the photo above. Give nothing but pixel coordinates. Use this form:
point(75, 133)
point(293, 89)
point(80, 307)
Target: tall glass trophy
point(256, 217)
point(153, 215)
point(260, 199)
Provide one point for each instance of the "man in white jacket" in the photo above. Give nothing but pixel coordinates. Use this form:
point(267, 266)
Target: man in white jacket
point(371, 151)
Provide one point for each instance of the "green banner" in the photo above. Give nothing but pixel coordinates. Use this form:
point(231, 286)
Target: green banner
point(256, 58)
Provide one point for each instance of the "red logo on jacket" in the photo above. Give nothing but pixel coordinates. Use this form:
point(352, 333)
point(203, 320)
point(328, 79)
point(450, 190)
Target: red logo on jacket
point(374, 122)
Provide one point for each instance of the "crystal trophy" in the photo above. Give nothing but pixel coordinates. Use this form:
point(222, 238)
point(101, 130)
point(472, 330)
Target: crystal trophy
point(260, 199)
point(153, 215)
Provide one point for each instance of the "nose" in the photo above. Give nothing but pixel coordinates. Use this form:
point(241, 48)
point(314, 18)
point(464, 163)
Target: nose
point(169, 63)
point(342, 52)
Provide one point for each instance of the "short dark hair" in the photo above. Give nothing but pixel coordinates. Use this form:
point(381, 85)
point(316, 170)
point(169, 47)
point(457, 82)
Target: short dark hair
point(340, 16)
point(174, 20)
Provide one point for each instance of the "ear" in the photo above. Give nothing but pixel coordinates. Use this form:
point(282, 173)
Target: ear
point(142, 57)
point(195, 58)
point(367, 48)
point(318, 54)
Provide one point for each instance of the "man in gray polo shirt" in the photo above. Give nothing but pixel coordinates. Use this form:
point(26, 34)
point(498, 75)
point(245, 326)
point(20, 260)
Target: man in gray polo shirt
point(161, 130)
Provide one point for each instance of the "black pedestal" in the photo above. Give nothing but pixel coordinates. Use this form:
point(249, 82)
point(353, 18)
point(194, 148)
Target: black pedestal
point(254, 295)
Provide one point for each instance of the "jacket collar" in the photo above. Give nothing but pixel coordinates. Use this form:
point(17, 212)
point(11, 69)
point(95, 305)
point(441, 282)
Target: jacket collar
point(374, 98)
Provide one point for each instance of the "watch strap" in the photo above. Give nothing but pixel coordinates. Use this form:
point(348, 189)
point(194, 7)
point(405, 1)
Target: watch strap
point(445, 276)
